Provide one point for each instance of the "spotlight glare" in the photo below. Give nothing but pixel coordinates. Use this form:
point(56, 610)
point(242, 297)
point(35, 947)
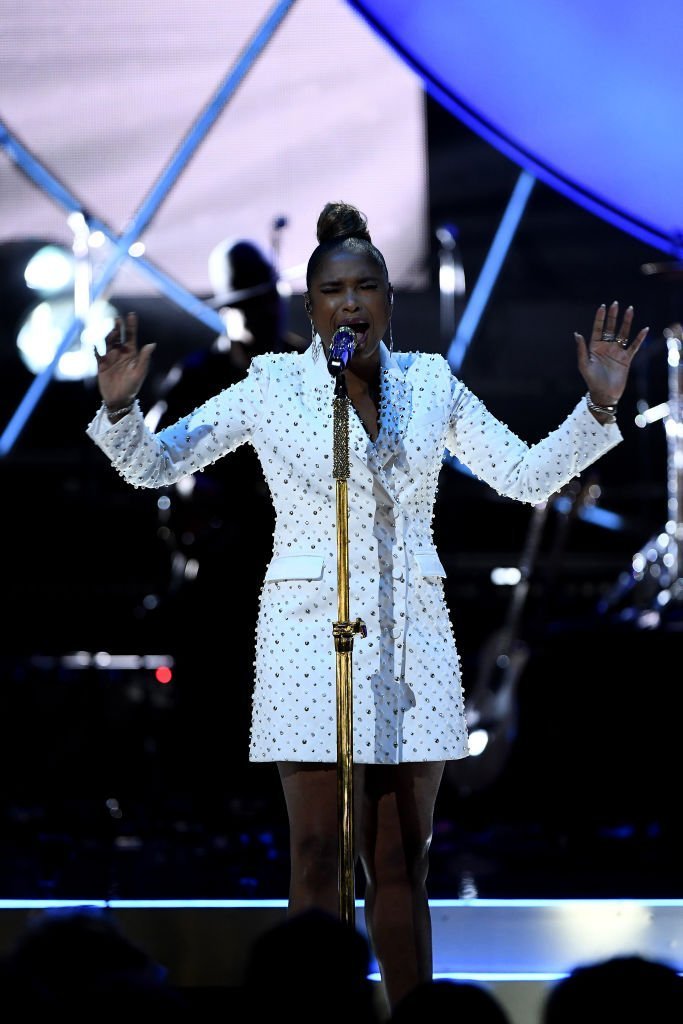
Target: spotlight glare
point(185, 486)
point(50, 270)
point(505, 576)
point(447, 279)
point(478, 741)
point(42, 332)
point(191, 569)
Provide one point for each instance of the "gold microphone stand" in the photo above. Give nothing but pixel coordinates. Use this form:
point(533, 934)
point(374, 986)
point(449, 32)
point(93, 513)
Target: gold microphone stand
point(343, 632)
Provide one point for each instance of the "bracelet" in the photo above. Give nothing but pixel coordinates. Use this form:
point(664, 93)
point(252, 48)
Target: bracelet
point(123, 411)
point(607, 410)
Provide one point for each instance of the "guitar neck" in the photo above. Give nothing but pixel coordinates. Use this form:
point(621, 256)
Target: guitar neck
point(526, 564)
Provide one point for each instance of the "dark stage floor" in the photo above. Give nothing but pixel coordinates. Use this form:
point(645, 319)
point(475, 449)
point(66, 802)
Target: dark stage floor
point(47, 852)
point(132, 802)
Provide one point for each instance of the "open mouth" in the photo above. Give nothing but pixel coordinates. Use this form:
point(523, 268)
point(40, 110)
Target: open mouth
point(360, 331)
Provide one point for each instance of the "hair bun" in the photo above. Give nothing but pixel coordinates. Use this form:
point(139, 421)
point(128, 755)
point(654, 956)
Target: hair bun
point(341, 220)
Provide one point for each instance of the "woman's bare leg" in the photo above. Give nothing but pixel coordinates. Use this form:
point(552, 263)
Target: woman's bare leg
point(310, 792)
point(394, 811)
point(396, 832)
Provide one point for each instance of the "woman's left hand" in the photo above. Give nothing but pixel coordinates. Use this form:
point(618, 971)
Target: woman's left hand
point(604, 362)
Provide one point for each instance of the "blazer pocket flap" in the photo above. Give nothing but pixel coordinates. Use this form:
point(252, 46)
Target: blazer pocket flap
point(295, 567)
point(429, 564)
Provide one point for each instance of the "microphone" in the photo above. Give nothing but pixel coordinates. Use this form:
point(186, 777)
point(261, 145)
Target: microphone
point(342, 348)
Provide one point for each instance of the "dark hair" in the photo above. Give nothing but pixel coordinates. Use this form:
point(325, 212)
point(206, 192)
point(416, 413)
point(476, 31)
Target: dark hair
point(443, 999)
point(342, 225)
point(627, 987)
point(306, 961)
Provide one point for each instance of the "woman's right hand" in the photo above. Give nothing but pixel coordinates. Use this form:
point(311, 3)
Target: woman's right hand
point(122, 369)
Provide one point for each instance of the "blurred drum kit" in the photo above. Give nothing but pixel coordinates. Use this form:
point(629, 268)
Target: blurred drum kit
point(647, 596)
point(650, 594)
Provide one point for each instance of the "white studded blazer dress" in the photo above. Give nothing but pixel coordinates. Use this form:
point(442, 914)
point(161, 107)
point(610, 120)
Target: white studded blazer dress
point(407, 693)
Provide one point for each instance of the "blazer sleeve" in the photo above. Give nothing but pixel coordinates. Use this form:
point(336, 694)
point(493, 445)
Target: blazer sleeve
point(215, 428)
point(515, 469)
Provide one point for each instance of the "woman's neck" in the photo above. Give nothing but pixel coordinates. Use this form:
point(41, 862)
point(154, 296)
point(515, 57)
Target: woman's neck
point(363, 378)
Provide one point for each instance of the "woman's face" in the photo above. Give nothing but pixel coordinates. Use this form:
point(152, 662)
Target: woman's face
point(350, 289)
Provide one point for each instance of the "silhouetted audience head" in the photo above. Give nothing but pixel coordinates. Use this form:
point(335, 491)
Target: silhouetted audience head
point(70, 958)
point(447, 1001)
point(310, 967)
point(624, 989)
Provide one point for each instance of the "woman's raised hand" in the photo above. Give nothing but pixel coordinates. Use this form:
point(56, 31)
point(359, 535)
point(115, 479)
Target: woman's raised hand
point(122, 369)
point(605, 361)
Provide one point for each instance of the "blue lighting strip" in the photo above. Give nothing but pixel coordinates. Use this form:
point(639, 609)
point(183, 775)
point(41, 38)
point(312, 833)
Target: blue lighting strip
point(490, 270)
point(146, 210)
point(266, 904)
point(488, 275)
point(490, 976)
point(603, 517)
point(201, 127)
point(35, 170)
point(46, 181)
point(255, 904)
point(592, 514)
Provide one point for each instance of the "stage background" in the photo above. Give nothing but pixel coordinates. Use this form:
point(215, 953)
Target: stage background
point(117, 783)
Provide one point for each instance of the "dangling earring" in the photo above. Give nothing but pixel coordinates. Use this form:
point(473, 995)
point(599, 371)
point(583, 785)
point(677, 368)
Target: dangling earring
point(314, 340)
point(315, 343)
point(391, 309)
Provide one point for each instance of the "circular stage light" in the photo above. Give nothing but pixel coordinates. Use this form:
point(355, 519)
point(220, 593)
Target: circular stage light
point(584, 96)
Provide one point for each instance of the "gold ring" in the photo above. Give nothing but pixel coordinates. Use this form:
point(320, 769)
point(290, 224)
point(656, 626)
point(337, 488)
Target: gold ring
point(608, 336)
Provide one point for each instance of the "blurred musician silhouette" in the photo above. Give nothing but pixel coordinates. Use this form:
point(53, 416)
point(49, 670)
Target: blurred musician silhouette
point(219, 524)
point(246, 293)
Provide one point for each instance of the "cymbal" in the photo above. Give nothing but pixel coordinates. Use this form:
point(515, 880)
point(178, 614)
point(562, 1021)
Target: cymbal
point(230, 298)
point(671, 270)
